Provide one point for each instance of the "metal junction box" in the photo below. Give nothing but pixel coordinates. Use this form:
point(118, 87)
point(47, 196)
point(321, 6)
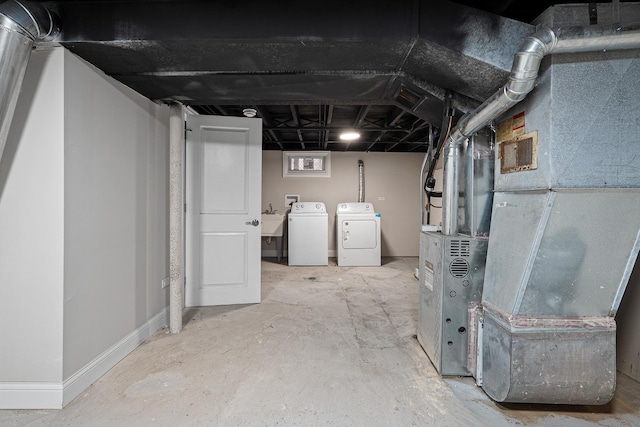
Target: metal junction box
point(451, 276)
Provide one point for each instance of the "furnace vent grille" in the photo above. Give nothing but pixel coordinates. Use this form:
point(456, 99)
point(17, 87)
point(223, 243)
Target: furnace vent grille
point(459, 248)
point(459, 268)
point(519, 154)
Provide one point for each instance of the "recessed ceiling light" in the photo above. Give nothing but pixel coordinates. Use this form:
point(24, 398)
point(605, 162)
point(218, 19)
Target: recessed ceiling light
point(349, 136)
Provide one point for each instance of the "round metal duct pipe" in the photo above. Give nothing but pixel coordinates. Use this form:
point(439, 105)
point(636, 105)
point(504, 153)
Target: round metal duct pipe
point(22, 23)
point(360, 181)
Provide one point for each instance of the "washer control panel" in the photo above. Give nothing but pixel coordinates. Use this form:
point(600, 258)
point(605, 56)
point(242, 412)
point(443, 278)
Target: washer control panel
point(308, 207)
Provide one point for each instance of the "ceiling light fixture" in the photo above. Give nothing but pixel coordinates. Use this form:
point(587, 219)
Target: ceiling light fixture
point(249, 112)
point(349, 136)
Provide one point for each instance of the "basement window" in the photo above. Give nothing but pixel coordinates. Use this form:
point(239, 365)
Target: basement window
point(306, 164)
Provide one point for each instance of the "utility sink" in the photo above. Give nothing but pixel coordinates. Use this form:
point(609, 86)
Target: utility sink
point(272, 225)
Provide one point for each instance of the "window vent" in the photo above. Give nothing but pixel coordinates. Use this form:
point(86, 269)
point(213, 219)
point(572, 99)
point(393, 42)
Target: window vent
point(459, 248)
point(306, 164)
point(459, 268)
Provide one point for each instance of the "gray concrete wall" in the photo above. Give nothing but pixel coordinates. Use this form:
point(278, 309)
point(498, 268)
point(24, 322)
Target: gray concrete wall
point(116, 212)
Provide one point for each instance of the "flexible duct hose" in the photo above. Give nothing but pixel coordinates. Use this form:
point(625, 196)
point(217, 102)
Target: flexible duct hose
point(360, 181)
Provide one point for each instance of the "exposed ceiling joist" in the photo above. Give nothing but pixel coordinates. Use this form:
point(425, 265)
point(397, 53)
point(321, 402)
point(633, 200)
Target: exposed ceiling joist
point(379, 67)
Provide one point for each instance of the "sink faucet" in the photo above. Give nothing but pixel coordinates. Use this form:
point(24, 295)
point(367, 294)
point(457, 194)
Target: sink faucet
point(270, 211)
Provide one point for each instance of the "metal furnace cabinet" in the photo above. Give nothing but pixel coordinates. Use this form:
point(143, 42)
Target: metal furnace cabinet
point(451, 277)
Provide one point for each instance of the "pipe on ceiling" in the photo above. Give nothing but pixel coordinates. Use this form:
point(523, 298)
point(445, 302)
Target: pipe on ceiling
point(524, 72)
point(22, 23)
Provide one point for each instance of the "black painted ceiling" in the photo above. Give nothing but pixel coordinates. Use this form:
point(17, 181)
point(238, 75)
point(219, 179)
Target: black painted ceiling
point(309, 69)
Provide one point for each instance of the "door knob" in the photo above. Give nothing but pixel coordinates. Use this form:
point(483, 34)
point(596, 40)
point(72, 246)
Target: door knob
point(255, 223)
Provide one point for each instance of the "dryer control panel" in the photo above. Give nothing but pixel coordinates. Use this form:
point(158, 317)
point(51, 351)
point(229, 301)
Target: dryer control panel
point(355, 208)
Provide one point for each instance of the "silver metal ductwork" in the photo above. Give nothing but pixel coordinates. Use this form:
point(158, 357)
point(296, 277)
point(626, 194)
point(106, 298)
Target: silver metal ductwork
point(22, 23)
point(452, 268)
point(563, 243)
point(360, 181)
point(564, 238)
point(522, 79)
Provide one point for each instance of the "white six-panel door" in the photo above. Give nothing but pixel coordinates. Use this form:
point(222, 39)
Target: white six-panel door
point(223, 197)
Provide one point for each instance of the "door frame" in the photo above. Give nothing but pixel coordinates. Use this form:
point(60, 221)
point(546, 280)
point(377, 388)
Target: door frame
point(177, 218)
point(222, 234)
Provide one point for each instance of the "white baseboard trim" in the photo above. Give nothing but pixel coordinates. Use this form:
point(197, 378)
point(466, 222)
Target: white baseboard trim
point(30, 395)
point(36, 395)
point(99, 366)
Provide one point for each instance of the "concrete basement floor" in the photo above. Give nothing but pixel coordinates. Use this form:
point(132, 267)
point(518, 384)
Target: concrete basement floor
point(327, 346)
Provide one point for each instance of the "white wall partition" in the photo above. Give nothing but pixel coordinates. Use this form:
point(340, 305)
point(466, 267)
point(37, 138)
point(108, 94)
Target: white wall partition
point(84, 226)
point(116, 212)
point(31, 232)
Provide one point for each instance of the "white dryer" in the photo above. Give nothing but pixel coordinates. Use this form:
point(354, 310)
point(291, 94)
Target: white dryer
point(358, 235)
point(308, 231)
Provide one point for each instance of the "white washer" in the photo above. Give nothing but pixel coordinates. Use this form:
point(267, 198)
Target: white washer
point(308, 234)
point(358, 234)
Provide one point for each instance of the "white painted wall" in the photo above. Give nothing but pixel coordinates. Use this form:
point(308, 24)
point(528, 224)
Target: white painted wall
point(393, 176)
point(84, 230)
point(116, 212)
point(31, 229)
point(628, 320)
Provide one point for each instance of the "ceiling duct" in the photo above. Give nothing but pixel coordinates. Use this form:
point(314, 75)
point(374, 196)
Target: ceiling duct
point(386, 55)
point(522, 79)
point(22, 23)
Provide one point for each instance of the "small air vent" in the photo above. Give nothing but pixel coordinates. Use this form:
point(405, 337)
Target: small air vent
point(519, 154)
point(459, 268)
point(459, 248)
point(408, 98)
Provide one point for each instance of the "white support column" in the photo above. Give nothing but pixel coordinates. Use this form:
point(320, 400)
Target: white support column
point(176, 216)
